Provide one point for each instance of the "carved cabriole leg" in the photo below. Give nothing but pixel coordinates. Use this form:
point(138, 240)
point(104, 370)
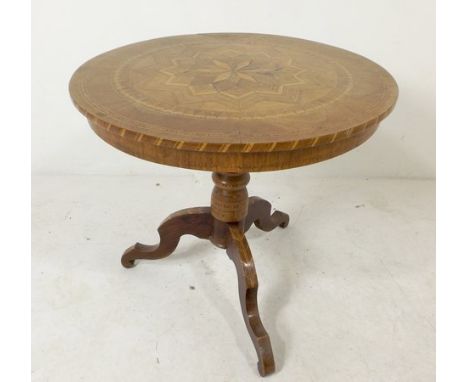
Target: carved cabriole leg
point(260, 214)
point(229, 207)
point(190, 221)
point(239, 252)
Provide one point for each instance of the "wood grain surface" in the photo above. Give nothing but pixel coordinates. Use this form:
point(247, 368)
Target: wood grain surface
point(201, 222)
point(233, 102)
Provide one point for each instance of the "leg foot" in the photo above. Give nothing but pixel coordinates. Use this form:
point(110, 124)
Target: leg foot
point(260, 214)
point(191, 221)
point(239, 252)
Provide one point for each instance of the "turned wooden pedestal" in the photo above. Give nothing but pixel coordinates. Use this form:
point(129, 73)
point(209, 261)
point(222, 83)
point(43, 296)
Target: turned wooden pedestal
point(231, 104)
point(231, 214)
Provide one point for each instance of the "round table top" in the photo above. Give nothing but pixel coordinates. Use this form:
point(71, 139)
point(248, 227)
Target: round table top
point(233, 102)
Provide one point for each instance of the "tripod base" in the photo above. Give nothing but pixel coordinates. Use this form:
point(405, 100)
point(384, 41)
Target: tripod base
point(229, 201)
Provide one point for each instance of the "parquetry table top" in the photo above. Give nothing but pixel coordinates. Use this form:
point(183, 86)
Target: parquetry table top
point(233, 102)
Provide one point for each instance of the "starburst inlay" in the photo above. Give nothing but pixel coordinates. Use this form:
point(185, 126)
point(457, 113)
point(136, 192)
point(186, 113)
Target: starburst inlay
point(244, 81)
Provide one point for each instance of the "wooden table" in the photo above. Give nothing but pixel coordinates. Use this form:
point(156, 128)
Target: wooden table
point(231, 104)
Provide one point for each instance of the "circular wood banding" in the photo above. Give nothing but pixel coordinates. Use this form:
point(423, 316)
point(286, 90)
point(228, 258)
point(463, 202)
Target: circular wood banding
point(216, 101)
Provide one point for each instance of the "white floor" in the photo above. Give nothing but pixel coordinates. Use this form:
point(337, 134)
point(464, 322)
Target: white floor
point(346, 291)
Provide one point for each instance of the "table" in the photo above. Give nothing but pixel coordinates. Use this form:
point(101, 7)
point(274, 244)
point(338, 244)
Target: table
point(231, 103)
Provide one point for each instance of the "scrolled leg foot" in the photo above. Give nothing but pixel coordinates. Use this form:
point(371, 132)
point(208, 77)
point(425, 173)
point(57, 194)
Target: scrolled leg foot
point(191, 221)
point(239, 252)
point(260, 215)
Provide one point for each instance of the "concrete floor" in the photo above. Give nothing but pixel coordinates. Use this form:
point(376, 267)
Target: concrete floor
point(346, 291)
